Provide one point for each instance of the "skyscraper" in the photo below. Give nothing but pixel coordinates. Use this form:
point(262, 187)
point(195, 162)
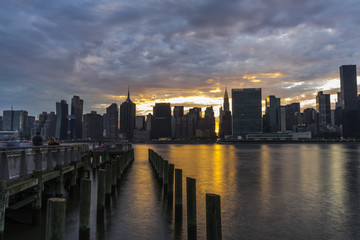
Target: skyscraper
point(76, 117)
point(15, 120)
point(93, 126)
point(112, 121)
point(349, 102)
point(225, 122)
point(324, 111)
point(246, 110)
point(178, 116)
point(162, 121)
point(272, 115)
point(62, 111)
point(127, 118)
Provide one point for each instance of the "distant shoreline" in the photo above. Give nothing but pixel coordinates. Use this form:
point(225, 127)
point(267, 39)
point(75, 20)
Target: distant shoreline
point(252, 142)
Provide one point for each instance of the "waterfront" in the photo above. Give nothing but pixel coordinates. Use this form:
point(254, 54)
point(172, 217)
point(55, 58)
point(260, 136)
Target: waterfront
point(276, 191)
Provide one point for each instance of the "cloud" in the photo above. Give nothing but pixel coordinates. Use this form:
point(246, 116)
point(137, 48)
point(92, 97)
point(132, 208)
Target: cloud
point(52, 50)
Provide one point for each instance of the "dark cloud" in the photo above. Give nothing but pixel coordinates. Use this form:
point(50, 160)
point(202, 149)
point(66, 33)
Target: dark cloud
point(53, 50)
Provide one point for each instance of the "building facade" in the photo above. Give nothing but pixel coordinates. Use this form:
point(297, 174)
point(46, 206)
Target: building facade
point(62, 112)
point(161, 127)
point(127, 118)
point(225, 118)
point(92, 126)
point(324, 111)
point(76, 117)
point(112, 121)
point(16, 120)
point(272, 117)
point(246, 110)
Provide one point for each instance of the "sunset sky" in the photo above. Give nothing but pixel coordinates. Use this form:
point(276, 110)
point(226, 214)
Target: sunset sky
point(182, 52)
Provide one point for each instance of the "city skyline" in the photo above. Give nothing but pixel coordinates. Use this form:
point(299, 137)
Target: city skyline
point(180, 52)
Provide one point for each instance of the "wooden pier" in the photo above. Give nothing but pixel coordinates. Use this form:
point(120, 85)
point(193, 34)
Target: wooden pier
point(28, 175)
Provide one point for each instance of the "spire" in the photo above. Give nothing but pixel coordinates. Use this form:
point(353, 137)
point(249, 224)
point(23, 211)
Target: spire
point(128, 98)
point(226, 100)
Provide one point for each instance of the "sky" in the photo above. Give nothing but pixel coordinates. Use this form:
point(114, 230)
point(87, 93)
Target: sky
point(184, 51)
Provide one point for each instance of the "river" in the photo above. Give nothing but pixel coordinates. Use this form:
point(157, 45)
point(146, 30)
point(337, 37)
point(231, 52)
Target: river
point(268, 191)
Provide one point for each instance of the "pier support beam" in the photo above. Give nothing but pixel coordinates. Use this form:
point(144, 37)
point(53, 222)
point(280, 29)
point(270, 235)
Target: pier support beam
point(213, 217)
point(191, 207)
point(178, 195)
point(37, 204)
point(3, 205)
point(85, 202)
point(100, 197)
point(55, 220)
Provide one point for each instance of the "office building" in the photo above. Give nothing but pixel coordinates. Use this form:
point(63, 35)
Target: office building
point(16, 120)
point(272, 115)
point(112, 121)
point(62, 112)
point(177, 123)
point(246, 110)
point(324, 111)
point(349, 101)
point(225, 119)
point(92, 126)
point(1, 123)
point(161, 127)
point(127, 118)
point(76, 117)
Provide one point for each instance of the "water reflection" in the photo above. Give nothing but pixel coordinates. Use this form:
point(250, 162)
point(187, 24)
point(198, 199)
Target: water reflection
point(290, 191)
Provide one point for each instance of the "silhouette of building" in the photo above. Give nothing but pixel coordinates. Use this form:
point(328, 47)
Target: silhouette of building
point(246, 110)
point(46, 125)
point(161, 127)
point(62, 112)
point(292, 111)
point(127, 118)
point(76, 117)
point(349, 101)
point(225, 121)
point(324, 111)
point(177, 123)
point(1, 123)
point(92, 126)
point(206, 125)
point(272, 117)
point(112, 121)
point(16, 120)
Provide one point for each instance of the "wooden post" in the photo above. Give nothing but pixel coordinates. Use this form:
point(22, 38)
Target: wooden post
point(4, 167)
point(118, 170)
point(73, 178)
point(166, 176)
point(3, 205)
point(66, 156)
point(191, 207)
point(49, 162)
point(57, 157)
point(178, 194)
point(100, 197)
point(23, 165)
point(85, 202)
point(113, 177)
point(213, 217)
point(38, 159)
point(37, 204)
point(55, 220)
point(171, 181)
point(107, 185)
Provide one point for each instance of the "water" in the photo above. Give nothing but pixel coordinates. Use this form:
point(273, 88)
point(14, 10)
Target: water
point(275, 191)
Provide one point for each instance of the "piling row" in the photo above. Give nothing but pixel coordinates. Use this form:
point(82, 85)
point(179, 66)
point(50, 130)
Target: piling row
point(164, 172)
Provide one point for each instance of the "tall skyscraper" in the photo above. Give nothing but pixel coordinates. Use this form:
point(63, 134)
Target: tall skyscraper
point(225, 121)
point(349, 102)
point(62, 112)
point(93, 126)
point(178, 116)
point(272, 117)
point(162, 121)
point(246, 110)
point(1, 123)
point(112, 121)
point(324, 111)
point(76, 117)
point(15, 120)
point(127, 118)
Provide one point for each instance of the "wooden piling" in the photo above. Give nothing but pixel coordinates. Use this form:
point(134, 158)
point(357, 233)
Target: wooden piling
point(23, 165)
point(38, 159)
point(55, 220)
point(178, 194)
point(49, 161)
point(100, 197)
point(191, 207)
point(37, 204)
point(166, 176)
point(4, 167)
point(213, 217)
point(171, 180)
point(113, 177)
point(85, 202)
point(73, 178)
point(108, 185)
point(66, 156)
point(3, 205)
